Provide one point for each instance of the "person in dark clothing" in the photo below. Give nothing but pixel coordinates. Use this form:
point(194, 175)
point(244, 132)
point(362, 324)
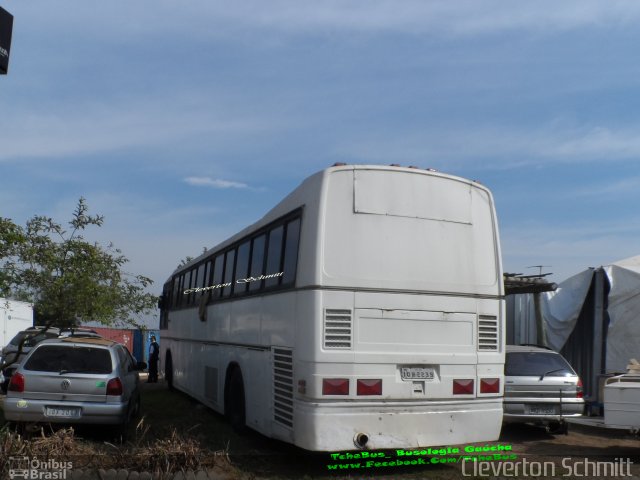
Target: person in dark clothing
point(154, 354)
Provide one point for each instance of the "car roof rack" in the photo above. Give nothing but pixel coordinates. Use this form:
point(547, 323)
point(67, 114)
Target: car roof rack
point(535, 345)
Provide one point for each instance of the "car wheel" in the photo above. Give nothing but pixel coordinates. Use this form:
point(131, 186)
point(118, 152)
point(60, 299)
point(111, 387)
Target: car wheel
point(121, 431)
point(18, 427)
point(138, 408)
point(134, 411)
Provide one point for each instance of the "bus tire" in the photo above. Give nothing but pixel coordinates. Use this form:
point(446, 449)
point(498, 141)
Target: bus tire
point(235, 402)
point(168, 370)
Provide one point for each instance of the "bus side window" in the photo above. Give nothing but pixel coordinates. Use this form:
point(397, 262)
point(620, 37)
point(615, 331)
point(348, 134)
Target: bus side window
point(257, 262)
point(189, 282)
point(228, 272)
point(176, 292)
point(242, 267)
point(274, 255)
point(198, 283)
point(182, 298)
point(291, 251)
point(217, 276)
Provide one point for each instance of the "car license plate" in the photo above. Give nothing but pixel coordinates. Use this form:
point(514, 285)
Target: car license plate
point(63, 412)
point(417, 373)
point(542, 410)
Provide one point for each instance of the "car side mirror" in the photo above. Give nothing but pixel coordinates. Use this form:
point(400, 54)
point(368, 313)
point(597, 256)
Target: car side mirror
point(141, 366)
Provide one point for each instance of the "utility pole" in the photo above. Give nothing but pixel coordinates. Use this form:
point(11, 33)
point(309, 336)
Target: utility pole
point(6, 29)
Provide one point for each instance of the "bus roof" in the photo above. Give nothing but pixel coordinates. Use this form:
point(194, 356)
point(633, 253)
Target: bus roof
point(296, 199)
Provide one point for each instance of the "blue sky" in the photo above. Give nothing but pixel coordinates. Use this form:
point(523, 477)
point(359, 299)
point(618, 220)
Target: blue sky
point(183, 122)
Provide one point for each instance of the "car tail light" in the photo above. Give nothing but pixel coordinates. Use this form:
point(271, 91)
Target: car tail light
point(16, 384)
point(463, 387)
point(114, 387)
point(490, 385)
point(370, 387)
point(579, 389)
point(335, 386)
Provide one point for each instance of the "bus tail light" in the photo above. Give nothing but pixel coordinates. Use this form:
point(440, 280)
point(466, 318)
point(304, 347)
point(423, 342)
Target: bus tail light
point(490, 385)
point(579, 390)
point(370, 387)
point(463, 387)
point(335, 386)
point(114, 387)
point(16, 384)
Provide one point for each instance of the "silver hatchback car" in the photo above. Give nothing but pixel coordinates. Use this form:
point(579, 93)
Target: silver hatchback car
point(75, 380)
point(540, 387)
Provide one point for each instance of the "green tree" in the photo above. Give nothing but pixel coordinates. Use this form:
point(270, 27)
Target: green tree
point(68, 279)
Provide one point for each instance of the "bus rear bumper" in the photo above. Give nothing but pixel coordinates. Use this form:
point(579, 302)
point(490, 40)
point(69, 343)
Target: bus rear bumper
point(336, 427)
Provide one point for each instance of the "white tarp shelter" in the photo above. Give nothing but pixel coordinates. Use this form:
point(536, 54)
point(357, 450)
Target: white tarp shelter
point(623, 337)
point(560, 311)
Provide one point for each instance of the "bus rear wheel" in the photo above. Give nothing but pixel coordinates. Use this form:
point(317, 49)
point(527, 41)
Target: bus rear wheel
point(235, 402)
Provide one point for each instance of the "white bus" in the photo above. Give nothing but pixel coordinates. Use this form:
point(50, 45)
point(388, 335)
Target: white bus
point(364, 311)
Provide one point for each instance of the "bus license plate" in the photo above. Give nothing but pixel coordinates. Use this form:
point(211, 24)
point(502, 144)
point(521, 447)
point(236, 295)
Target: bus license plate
point(417, 373)
point(71, 412)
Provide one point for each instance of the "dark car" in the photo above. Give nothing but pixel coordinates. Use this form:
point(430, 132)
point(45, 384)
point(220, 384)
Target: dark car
point(13, 354)
point(540, 387)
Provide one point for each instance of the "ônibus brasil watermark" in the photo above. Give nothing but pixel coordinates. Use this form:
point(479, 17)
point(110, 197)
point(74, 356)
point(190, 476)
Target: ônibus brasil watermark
point(35, 469)
point(228, 284)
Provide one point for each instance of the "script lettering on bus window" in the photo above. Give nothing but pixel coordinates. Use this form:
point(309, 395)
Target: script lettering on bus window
point(240, 281)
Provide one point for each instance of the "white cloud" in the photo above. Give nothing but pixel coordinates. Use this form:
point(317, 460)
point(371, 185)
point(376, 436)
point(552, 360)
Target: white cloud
point(209, 18)
point(89, 127)
point(213, 182)
point(463, 17)
point(499, 146)
point(625, 186)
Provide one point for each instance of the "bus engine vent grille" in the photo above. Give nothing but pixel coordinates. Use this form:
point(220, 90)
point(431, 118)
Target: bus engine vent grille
point(488, 332)
point(337, 329)
point(283, 386)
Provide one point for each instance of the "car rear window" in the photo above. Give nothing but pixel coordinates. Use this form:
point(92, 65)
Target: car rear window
point(70, 359)
point(536, 364)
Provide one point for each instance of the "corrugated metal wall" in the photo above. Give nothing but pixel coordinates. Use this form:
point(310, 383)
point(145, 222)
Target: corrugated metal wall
point(521, 320)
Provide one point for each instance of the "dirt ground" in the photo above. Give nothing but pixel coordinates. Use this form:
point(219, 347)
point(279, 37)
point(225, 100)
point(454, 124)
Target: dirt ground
point(254, 456)
point(261, 457)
